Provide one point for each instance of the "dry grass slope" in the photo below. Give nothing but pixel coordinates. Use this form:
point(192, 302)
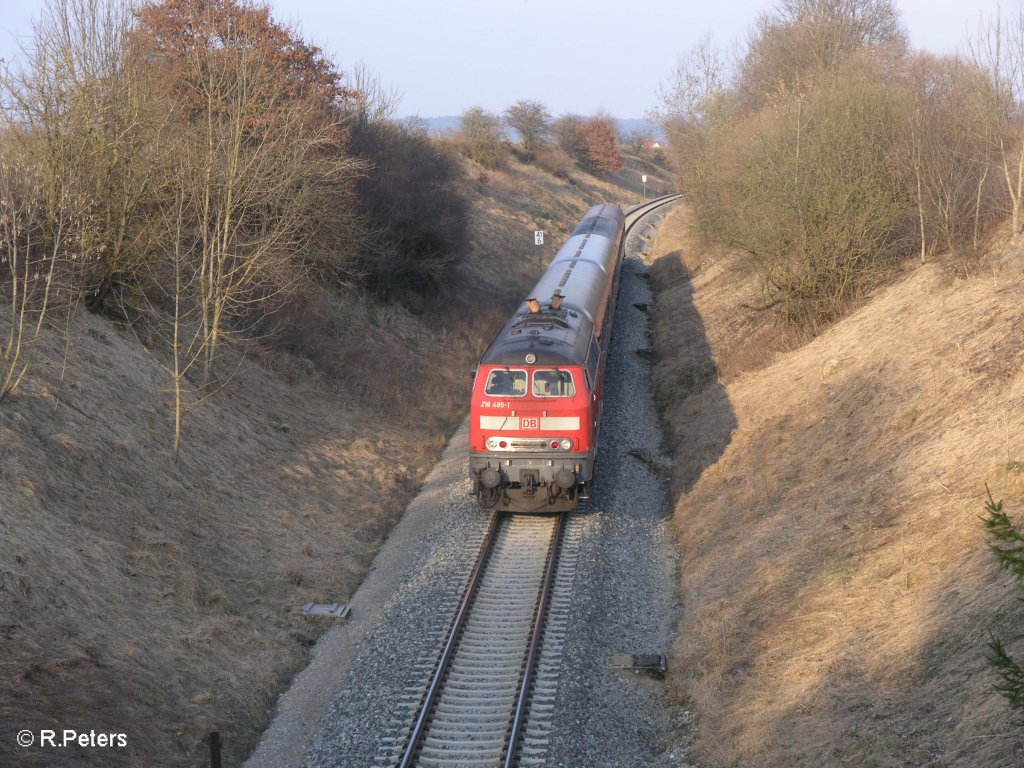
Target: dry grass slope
point(162, 601)
point(836, 582)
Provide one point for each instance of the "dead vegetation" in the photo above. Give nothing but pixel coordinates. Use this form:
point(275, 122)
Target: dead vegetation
point(161, 599)
point(183, 183)
point(835, 578)
point(829, 153)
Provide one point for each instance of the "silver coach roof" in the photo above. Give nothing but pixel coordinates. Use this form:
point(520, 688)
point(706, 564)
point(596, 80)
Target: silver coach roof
point(582, 272)
point(583, 268)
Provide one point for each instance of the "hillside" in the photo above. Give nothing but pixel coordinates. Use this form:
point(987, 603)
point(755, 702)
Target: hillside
point(836, 581)
point(161, 601)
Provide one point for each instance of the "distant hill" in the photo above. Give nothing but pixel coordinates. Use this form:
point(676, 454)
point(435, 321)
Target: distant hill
point(438, 125)
point(627, 125)
point(443, 123)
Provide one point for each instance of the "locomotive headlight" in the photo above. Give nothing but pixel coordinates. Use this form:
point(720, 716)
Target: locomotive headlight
point(492, 443)
point(567, 444)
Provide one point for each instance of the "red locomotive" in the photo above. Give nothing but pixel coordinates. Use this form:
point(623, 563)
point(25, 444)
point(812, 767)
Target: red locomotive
point(537, 391)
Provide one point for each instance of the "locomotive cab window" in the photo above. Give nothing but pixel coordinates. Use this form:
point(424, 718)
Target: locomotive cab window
point(505, 383)
point(553, 383)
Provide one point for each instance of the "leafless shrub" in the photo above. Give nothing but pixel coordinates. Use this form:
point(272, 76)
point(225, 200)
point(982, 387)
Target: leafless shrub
point(88, 117)
point(952, 148)
point(997, 49)
point(67, 208)
point(480, 138)
point(804, 38)
point(554, 160)
point(564, 131)
point(33, 258)
point(530, 120)
point(414, 206)
point(830, 153)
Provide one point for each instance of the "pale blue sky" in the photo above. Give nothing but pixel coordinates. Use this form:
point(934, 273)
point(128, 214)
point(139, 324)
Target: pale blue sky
point(444, 56)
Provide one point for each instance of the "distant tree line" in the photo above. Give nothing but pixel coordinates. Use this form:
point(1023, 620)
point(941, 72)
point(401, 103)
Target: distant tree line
point(554, 144)
point(192, 168)
point(828, 152)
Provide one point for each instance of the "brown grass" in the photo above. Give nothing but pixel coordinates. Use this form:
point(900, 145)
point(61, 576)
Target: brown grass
point(161, 601)
point(836, 583)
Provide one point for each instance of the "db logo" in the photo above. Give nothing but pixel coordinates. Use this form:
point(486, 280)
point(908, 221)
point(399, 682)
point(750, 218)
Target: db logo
point(531, 423)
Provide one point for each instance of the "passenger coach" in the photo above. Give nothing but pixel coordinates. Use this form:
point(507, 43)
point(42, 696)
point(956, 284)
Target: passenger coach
point(538, 388)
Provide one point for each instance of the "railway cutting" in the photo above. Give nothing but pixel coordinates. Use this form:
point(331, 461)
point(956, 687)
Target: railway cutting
point(497, 660)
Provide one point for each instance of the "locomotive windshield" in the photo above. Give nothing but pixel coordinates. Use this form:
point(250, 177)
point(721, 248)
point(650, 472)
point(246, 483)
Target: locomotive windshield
point(553, 383)
point(506, 383)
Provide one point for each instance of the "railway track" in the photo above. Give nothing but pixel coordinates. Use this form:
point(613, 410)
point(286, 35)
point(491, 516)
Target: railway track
point(492, 689)
point(636, 214)
point(475, 709)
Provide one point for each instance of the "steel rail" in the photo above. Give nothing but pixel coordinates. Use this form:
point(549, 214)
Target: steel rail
point(517, 715)
point(639, 211)
point(437, 683)
point(533, 655)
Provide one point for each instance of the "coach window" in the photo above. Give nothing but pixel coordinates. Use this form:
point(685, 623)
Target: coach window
point(553, 383)
point(502, 382)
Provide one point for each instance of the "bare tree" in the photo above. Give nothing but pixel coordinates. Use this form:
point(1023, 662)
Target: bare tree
point(997, 47)
point(71, 200)
point(481, 135)
point(694, 101)
point(564, 131)
point(263, 161)
point(530, 120)
point(695, 86)
point(187, 338)
point(805, 38)
point(85, 110)
point(29, 255)
point(636, 138)
point(951, 147)
point(372, 101)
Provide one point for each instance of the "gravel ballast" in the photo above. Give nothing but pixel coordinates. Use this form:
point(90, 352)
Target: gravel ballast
point(355, 702)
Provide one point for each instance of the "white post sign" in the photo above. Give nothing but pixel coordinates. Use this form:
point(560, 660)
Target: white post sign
point(538, 237)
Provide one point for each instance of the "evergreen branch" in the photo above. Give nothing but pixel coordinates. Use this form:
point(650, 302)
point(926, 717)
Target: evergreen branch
point(1012, 687)
point(1008, 544)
